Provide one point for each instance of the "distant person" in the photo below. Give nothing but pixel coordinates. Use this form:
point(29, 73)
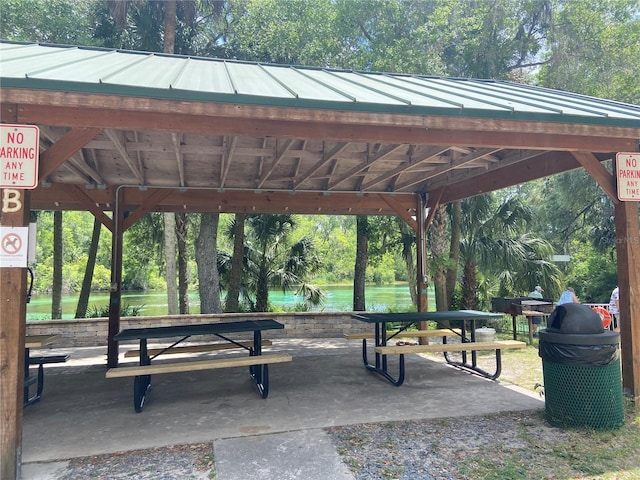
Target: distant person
point(614, 308)
point(568, 296)
point(537, 320)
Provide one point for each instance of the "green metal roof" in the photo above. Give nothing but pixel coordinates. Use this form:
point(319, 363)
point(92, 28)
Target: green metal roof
point(153, 75)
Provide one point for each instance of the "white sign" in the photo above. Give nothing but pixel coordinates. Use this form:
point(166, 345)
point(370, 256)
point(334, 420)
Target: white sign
point(14, 246)
point(628, 173)
point(19, 156)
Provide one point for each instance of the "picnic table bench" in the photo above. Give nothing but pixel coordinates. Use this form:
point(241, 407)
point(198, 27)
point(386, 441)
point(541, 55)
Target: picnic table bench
point(37, 341)
point(256, 361)
point(465, 320)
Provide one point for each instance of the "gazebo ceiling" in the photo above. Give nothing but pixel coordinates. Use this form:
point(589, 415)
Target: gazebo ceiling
point(196, 134)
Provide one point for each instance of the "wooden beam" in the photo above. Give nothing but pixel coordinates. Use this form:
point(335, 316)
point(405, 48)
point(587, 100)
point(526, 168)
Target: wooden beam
point(544, 165)
point(628, 261)
point(402, 211)
point(432, 204)
point(149, 205)
point(64, 148)
point(599, 173)
point(89, 205)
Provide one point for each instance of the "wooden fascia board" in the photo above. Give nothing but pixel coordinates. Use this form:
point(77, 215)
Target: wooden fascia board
point(64, 148)
point(341, 126)
point(85, 101)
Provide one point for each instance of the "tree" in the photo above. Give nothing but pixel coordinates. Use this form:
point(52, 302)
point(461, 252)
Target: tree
point(593, 49)
point(56, 291)
point(206, 258)
point(492, 242)
point(272, 262)
point(360, 270)
point(232, 303)
point(85, 290)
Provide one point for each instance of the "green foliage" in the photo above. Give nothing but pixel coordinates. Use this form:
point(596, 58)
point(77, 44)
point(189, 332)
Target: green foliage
point(52, 21)
point(126, 310)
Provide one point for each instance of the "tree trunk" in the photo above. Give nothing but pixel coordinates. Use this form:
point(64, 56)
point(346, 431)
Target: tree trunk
point(85, 290)
point(469, 286)
point(232, 303)
point(182, 224)
point(170, 16)
point(56, 289)
point(454, 251)
point(170, 262)
point(440, 257)
point(360, 270)
point(410, 261)
point(207, 260)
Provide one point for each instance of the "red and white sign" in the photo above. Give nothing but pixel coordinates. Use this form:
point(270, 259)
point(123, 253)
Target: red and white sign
point(13, 246)
point(628, 174)
point(19, 156)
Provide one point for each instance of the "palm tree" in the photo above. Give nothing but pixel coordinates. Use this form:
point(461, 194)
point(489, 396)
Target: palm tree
point(272, 262)
point(494, 243)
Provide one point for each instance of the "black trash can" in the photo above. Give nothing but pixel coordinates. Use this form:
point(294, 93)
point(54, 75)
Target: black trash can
point(581, 370)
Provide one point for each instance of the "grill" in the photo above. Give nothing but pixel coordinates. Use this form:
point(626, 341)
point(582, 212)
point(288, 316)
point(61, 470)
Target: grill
point(522, 306)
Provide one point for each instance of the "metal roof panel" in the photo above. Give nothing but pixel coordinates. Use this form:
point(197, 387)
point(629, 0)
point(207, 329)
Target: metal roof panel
point(153, 75)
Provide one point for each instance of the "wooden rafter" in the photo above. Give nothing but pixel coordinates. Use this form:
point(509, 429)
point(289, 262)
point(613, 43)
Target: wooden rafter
point(326, 158)
point(227, 158)
point(425, 157)
point(384, 152)
point(176, 140)
point(279, 154)
point(447, 168)
point(119, 145)
point(64, 148)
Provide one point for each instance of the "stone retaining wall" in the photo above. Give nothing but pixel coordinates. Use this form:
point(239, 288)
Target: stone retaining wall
point(90, 332)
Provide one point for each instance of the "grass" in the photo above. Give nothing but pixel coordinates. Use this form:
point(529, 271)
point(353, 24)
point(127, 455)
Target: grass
point(574, 454)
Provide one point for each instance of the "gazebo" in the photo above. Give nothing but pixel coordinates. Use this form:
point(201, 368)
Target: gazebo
point(129, 132)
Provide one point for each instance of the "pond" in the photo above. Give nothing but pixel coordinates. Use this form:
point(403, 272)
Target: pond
point(339, 298)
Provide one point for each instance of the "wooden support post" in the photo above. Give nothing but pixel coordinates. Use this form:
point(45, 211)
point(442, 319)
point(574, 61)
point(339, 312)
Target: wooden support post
point(115, 295)
point(628, 253)
point(421, 257)
point(13, 298)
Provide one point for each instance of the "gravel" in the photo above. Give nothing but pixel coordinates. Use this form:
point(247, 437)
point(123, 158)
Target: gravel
point(408, 450)
point(435, 449)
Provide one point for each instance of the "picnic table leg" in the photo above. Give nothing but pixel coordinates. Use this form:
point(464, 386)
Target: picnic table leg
point(141, 383)
point(259, 373)
point(381, 365)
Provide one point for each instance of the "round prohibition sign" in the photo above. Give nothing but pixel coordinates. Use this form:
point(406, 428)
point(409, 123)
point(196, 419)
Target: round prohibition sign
point(11, 243)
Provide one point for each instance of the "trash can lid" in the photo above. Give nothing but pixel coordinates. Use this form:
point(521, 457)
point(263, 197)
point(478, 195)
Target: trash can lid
point(601, 339)
point(574, 318)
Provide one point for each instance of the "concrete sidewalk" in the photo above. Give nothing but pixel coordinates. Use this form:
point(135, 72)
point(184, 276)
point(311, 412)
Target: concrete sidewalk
point(325, 385)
